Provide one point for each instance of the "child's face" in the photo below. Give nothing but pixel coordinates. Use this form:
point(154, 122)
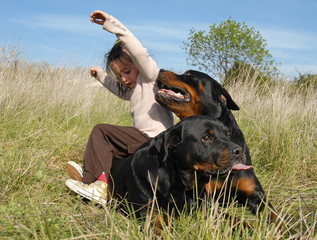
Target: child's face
point(126, 71)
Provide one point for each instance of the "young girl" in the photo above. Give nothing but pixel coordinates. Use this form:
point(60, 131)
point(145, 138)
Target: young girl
point(130, 74)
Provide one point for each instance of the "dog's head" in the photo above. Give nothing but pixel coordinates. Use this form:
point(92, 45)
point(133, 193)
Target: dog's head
point(192, 93)
point(199, 143)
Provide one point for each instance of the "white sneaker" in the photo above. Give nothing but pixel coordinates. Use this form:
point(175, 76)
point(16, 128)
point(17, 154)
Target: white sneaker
point(74, 171)
point(95, 191)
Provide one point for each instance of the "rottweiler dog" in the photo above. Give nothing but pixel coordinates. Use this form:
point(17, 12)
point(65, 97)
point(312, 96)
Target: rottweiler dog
point(162, 173)
point(196, 93)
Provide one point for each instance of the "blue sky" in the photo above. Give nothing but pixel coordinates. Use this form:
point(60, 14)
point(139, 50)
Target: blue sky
point(60, 33)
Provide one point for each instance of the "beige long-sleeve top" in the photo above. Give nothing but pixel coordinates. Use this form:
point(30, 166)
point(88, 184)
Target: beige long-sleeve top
point(148, 116)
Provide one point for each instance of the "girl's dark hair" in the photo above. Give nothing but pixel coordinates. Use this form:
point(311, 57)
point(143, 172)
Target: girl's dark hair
point(116, 51)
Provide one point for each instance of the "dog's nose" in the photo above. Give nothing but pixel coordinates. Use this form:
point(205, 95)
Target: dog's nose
point(237, 152)
point(162, 70)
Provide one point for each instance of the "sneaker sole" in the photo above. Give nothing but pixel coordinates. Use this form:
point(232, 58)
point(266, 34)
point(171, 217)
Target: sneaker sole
point(82, 193)
point(74, 172)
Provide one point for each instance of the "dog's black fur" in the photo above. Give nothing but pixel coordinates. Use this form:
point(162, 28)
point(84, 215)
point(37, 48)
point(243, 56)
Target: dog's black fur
point(196, 93)
point(163, 169)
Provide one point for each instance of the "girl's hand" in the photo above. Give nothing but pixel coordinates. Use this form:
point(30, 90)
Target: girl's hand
point(96, 72)
point(98, 17)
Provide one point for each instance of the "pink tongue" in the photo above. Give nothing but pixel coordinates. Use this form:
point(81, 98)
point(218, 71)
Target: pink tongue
point(171, 93)
point(240, 166)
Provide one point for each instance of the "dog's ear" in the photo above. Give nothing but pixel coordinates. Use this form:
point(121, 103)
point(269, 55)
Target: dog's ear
point(226, 98)
point(158, 147)
point(220, 93)
point(161, 144)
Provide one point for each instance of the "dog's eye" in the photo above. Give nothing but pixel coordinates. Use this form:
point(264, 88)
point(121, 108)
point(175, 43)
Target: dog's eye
point(206, 138)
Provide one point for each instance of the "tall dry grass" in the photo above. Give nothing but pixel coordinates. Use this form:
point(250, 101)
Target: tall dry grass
point(280, 124)
point(47, 113)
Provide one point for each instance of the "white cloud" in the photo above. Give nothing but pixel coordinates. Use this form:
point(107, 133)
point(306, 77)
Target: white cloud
point(66, 23)
point(162, 46)
point(289, 39)
point(48, 48)
point(162, 30)
point(293, 70)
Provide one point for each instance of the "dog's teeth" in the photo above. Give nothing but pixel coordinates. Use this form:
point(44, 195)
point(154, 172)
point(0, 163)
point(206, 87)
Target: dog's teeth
point(179, 95)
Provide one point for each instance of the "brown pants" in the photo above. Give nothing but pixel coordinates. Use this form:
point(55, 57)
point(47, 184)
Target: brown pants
point(107, 142)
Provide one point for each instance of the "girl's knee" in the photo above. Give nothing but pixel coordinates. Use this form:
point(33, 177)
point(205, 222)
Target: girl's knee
point(99, 128)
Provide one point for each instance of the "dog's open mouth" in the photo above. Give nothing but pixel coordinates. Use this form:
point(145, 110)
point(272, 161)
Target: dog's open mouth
point(174, 93)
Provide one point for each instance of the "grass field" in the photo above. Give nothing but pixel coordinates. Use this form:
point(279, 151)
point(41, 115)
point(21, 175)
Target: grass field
point(47, 113)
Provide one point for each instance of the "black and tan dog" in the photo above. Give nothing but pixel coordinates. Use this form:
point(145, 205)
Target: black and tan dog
point(196, 93)
point(163, 169)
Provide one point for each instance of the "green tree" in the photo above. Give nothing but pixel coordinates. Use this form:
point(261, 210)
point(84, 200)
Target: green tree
point(230, 42)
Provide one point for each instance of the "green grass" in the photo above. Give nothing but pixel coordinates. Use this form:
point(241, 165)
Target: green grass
point(47, 113)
